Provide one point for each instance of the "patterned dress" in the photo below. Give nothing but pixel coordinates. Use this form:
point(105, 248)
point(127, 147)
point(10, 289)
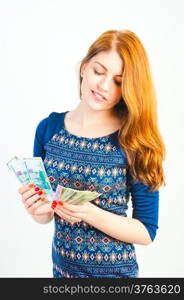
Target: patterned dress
point(94, 164)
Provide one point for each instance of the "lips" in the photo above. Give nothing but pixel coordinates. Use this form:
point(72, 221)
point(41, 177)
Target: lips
point(97, 94)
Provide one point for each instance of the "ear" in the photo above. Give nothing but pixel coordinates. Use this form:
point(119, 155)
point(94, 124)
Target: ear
point(83, 69)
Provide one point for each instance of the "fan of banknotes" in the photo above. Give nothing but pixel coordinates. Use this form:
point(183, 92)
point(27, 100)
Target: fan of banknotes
point(73, 196)
point(32, 170)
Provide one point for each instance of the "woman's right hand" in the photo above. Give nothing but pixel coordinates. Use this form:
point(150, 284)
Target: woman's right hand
point(34, 200)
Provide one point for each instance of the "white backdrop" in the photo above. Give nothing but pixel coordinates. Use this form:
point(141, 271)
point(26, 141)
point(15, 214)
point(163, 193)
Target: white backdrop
point(41, 43)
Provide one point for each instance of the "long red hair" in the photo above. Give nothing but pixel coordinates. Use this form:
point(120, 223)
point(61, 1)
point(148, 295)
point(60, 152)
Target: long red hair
point(139, 135)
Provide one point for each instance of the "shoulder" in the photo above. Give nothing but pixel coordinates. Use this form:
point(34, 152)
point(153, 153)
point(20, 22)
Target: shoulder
point(53, 118)
point(56, 116)
point(49, 125)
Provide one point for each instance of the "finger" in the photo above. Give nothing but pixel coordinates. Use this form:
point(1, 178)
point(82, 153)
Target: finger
point(64, 210)
point(34, 199)
point(77, 214)
point(32, 192)
point(36, 207)
point(70, 219)
point(73, 207)
point(67, 217)
point(25, 188)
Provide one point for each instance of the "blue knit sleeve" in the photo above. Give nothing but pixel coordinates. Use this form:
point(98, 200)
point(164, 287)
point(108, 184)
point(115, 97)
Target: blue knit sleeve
point(145, 205)
point(39, 140)
point(44, 131)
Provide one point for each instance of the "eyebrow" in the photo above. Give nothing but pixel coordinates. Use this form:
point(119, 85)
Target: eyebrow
point(106, 68)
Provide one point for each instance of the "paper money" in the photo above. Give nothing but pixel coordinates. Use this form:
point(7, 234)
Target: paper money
point(73, 196)
point(31, 170)
point(18, 167)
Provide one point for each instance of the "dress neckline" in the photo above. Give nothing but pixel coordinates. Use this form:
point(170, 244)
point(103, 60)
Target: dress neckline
point(83, 137)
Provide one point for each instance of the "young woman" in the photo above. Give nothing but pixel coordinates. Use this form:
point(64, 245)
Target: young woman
point(109, 143)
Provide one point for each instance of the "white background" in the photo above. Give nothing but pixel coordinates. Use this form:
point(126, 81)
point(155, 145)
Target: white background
point(41, 44)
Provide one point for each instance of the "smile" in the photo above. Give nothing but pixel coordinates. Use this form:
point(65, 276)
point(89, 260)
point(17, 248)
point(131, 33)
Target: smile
point(98, 96)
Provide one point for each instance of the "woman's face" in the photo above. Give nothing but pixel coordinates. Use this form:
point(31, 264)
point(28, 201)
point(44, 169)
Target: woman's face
point(101, 80)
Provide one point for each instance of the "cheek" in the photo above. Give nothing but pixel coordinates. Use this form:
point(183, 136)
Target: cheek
point(119, 94)
point(116, 93)
point(88, 81)
point(91, 79)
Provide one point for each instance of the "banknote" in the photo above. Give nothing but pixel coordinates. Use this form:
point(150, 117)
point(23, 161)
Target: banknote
point(73, 196)
point(18, 167)
point(31, 170)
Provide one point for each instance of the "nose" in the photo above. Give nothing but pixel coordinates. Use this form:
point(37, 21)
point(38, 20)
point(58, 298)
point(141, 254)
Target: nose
point(104, 84)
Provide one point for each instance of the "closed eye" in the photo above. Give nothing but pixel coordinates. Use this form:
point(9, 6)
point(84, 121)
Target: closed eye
point(116, 82)
point(95, 71)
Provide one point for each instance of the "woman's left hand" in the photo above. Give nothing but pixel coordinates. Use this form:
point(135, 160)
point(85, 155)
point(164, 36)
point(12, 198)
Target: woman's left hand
point(71, 213)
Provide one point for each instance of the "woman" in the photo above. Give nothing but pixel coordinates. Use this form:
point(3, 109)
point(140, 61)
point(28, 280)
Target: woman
point(110, 143)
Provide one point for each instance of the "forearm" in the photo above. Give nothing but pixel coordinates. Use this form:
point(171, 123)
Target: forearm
point(125, 229)
point(43, 219)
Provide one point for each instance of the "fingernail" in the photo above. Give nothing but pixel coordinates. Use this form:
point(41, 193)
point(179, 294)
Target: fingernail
point(61, 203)
point(54, 204)
point(37, 189)
point(31, 185)
point(40, 193)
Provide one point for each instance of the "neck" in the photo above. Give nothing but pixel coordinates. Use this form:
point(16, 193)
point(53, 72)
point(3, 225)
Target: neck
point(86, 117)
